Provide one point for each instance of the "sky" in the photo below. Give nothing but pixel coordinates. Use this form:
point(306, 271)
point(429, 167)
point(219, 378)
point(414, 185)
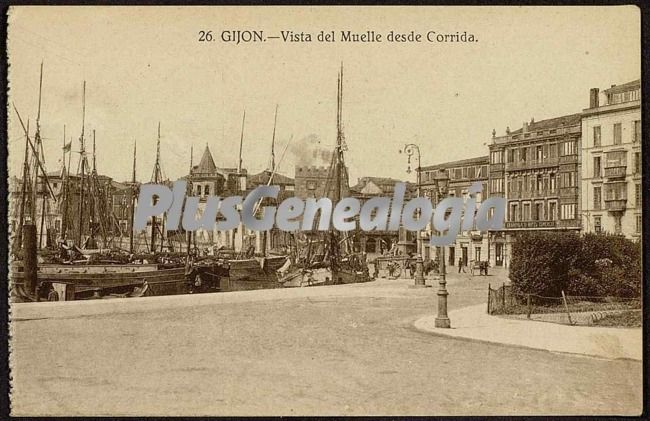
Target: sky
point(144, 66)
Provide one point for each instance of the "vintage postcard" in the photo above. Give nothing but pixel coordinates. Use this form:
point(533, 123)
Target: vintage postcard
point(324, 210)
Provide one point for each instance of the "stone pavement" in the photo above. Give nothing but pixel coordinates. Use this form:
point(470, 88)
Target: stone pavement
point(475, 324)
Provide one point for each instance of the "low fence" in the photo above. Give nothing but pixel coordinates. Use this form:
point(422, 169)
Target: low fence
point(566, 309)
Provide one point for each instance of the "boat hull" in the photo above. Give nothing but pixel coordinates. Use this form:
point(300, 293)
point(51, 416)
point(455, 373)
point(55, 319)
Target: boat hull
point(86, 282)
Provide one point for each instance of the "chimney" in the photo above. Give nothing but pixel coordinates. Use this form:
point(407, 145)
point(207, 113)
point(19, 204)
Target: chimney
point(593, 98)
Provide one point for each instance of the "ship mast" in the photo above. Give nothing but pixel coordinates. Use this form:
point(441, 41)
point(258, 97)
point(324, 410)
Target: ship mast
point(82, 166)
point(188, 233)
point(132, 204)
point(156, 177)
point(39, 154)
point(64, 190)
point(23, 191)
point(338, 163)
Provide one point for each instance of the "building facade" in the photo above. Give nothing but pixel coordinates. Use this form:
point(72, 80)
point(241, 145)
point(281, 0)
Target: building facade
point(379, 242)
point(469, 245)
point(537, 169)
point(611, 168)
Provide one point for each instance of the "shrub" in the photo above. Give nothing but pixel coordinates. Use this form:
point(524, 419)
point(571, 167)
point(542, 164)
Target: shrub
point(545, 263)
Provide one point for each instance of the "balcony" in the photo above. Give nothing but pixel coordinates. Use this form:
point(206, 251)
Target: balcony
point(569, 192)
point(496, 167)
point(535, 194)
point(617, 171)
point(569, 159)
point(531, 164)
point(569, 223)
point(615, 205)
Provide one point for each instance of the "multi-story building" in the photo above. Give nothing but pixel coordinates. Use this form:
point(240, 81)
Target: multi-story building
point(537, 169)
point(460, 175)
point(378, 242)
point(316, 182)
point(611, 168)
point(274, 239)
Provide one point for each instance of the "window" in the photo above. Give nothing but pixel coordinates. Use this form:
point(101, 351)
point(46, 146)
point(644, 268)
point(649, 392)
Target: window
point(597, 169)
point(615, 191)
point(616, 159)
point(540, 183)
point(617, 224)
point(311, 185)
point(57, 225)
point(496, 185)
point(526, 214)
point(55, 185)
point(496, 157)
point(568, 179)
point(477, 254)
point(638, 224)
point(568, 148)
point(598, 197)
point(618, 134)
point(597, 136)
point(568, 211)
point(637, 195)
point(539, 212)
point(637, 162)
point(523, 152)
point(207, 190)
point(552, 210)
point(637, 131)
point(198, 190)
point(552, 181)
point(539, 154)
point(513, 212)
point(598, 225)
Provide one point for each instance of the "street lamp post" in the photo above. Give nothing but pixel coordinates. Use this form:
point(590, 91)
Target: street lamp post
point(410, 149)
point(442, 319)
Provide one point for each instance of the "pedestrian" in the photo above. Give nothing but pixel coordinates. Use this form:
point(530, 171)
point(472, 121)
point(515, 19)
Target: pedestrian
point(460, 265)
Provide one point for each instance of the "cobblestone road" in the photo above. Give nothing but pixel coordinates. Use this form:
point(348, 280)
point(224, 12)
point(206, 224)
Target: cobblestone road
point(342, 350)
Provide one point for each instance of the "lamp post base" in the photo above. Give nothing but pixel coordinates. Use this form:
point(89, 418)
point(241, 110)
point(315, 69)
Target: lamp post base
point(442, 320)
point(444, 323)
point(419, 272)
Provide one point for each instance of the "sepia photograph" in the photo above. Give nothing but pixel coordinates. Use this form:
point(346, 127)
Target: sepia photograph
point(324, 211)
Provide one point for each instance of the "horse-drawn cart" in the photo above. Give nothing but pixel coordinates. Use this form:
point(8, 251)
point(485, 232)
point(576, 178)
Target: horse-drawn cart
point(400, 266)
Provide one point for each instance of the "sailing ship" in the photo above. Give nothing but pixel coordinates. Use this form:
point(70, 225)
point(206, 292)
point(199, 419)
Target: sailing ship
point(241, 268)
point(338, 256)
point(81, 270)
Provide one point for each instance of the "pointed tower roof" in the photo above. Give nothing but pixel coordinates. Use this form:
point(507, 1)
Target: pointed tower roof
point(206, 165)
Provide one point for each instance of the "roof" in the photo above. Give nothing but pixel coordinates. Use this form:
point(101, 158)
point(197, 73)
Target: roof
point(263, 178)
point(481, 160)
point(635, 84)
point(206, 165)
point(379, 181)
point(567, 120)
